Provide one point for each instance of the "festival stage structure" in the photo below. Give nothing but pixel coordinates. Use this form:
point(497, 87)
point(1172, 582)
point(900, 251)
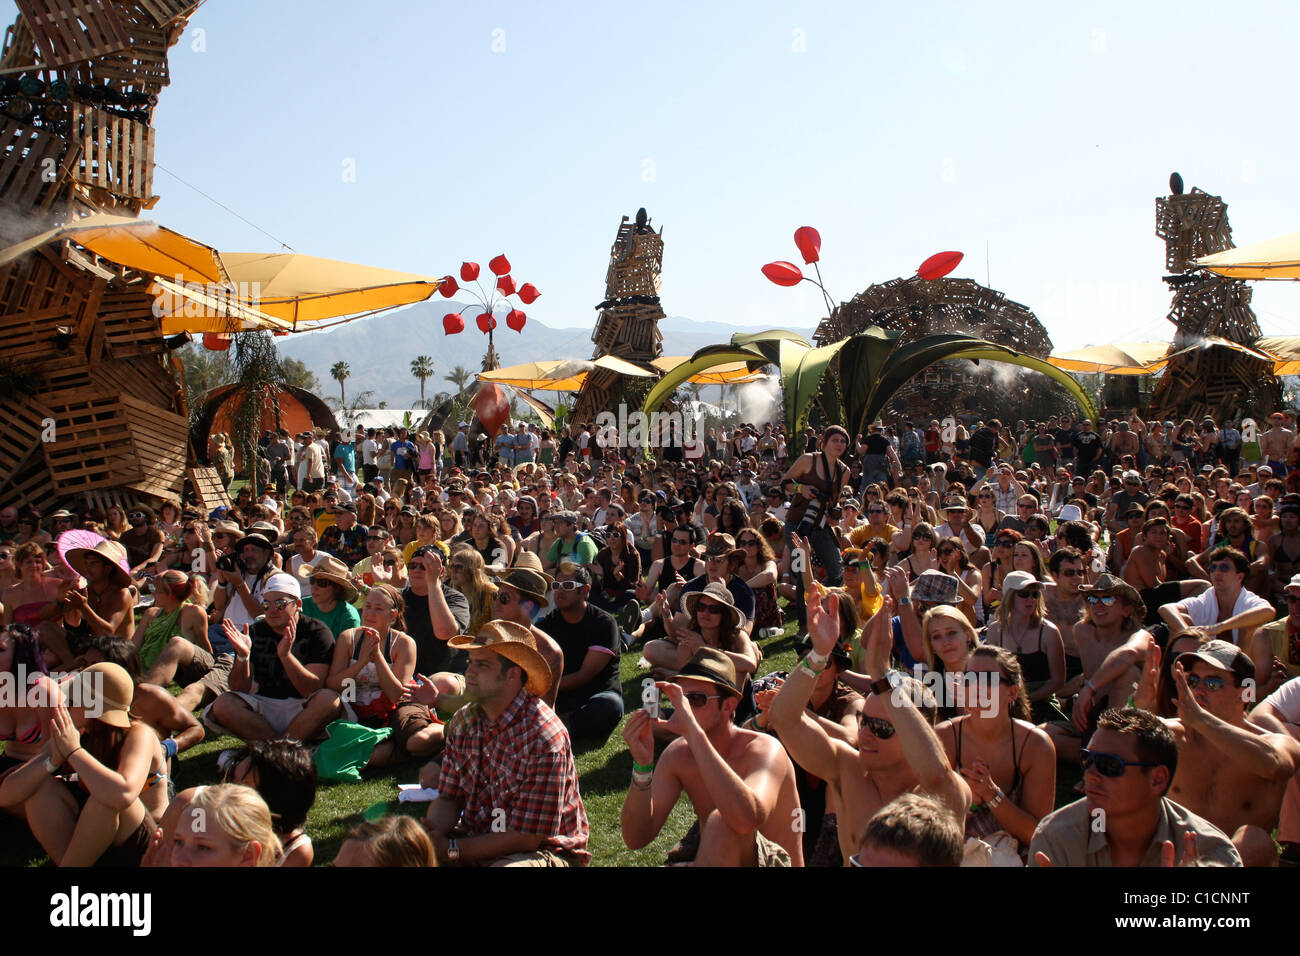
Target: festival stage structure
point(916, 308)
point(1214, 367)
point(628, 327)
point(89, 405)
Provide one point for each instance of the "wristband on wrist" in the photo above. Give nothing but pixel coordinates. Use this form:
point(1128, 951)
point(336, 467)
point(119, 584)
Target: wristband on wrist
point(817, 660)
point(170, 747)
point(51, 766)
point(808, 669)
point(639, 768)
point(998, 797)
point(642, 781)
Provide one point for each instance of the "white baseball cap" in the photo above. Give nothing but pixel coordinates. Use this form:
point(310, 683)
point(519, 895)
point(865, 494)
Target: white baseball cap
point(281, 583)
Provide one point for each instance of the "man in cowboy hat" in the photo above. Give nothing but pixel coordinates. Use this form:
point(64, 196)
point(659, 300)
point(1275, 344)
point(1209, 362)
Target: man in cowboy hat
point(741, 783)
point(590, 700)
point(332, 594)
point(1113, 615)
point(277, 684)
point(521, 596)
point(969, 535)
point(896, 752)
point(508, 788)
point(105, 604)
point(143, 542)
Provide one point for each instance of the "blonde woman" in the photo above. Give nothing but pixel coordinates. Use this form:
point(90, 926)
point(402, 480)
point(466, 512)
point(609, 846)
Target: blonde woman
point(226, 825)
point(469, 578)
point(1023, 629)
point(947, 638)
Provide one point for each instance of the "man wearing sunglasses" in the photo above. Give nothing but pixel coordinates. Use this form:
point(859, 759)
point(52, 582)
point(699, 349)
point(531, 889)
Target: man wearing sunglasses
point(590, 702)
point(897, 750)
point(1227, 608)
point(1231, 771)
point(277, 684)
point(1133, 492)
point(741, 783)
point(1125, 817)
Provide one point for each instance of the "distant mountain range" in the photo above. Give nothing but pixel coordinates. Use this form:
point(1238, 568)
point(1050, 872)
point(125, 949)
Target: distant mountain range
point(379, 350)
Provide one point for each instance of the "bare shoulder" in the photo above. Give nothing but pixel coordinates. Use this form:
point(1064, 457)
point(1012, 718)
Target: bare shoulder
point(1038, 744)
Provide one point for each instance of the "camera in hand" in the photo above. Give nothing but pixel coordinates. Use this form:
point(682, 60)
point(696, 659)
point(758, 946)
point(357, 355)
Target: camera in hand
point(812, 517)
point(228, 562)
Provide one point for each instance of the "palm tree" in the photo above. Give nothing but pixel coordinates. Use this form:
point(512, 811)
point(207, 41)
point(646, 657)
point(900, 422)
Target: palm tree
point(460, 377)
point(339, 371)
point(422, 368)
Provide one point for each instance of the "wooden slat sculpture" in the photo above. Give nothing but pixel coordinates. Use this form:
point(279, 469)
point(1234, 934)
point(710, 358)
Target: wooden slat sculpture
point(1216, 381)
point(918, 307)
point(89, 405)
point(628, 327)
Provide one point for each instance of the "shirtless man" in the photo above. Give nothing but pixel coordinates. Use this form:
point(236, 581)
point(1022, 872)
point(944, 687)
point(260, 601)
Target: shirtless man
point(1232, 772)
point(1114, 614)
point(1276, 443)
point(105, 604)
point(1282, 555)
point(897, 749)
point(741, 783)
point(1065, 609)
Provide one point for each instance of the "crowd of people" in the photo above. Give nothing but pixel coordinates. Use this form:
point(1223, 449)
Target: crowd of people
point(982, 615)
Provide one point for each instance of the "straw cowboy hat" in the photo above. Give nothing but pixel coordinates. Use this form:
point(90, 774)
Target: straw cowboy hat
point(719, 593)
point(334, 571)
point(110, 551)
point(515, 643)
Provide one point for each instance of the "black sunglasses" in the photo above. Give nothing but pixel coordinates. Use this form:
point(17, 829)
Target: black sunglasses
point(880, 728)
point(1110, 765)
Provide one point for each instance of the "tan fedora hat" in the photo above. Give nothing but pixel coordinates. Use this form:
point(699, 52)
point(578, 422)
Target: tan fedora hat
point(110, 551)
point(715, 591)
point(515, 643)
point(334, 571)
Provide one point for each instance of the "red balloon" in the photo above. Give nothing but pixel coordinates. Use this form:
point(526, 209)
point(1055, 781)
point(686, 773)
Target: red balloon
point(506, 285)
point(516, 320)
point(939, 265)
point(809, 243)
point(783, 273)
point(500, 265)
point(528, 293)
point(492, 406)
point(486, 322)
point(469, 271)
point(453, 323)
point(448, 288)
point(216, 341)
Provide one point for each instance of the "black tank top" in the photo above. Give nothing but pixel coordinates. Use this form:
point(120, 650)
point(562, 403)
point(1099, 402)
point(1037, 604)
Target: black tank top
point(1034, 664)
point(668, 574)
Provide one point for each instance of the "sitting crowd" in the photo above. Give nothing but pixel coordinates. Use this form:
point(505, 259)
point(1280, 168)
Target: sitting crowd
point(973, 619)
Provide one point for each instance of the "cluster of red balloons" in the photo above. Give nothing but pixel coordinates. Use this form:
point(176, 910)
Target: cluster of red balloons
point(810, 246)
point(453, 323)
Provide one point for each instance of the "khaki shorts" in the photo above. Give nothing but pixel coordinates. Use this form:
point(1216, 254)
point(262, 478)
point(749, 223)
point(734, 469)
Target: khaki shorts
point(770, 853)
point(538, 858)
point(212, 672)
point(277, 712)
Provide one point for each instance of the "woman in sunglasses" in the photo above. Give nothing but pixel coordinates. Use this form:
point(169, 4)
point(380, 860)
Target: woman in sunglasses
point(1003, 548)
point(469, 578)
point(954, 560)
point(920, 555)
point(987, 516)
point(8, 568)
point(714, 621)
point(758, 568)
point(1008, 763)
point(1023, 629)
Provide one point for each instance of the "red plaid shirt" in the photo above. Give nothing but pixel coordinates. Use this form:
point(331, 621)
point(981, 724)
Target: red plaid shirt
point(521, 763)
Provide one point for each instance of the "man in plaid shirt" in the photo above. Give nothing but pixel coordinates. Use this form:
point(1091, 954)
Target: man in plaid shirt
point(508, 789)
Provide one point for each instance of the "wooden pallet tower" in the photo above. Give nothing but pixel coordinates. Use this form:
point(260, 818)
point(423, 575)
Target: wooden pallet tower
point(89, 406)
point(628, 327)
point(1213, 380)
point(918, 307)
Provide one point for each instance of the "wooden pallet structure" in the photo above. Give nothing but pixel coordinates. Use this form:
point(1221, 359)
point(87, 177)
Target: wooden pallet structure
point(628, 326)
point(90, 406)
point(918, 307)
point(1214, 381)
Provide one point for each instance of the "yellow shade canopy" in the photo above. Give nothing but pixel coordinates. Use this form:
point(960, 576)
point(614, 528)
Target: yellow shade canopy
point(732, 373)
point(560, 375)
point(1134, 358)
point(1277, 258)
point(1285, 351)
point(306, 289)
point(136, 244)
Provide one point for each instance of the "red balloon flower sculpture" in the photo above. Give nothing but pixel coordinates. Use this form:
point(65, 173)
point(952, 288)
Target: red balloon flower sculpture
point(809, 242)
point(454, 322)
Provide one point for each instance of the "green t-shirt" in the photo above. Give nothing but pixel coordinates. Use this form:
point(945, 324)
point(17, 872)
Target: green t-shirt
point(582, 551)
point(342, 618)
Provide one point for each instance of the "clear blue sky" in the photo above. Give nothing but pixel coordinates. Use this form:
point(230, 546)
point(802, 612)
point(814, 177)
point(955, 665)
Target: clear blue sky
point(1043, 134)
